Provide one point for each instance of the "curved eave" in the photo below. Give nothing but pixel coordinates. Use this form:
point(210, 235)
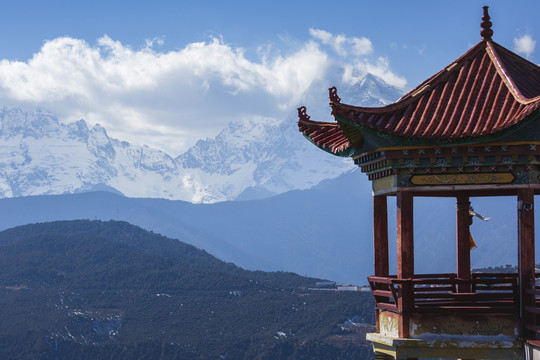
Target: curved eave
point(486, 91)
point(326, 136)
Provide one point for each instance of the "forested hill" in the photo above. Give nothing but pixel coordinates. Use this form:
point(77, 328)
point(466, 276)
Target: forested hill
point(92, 289)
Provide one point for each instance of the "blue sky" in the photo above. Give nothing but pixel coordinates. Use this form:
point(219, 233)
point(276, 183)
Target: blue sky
point(167, 73)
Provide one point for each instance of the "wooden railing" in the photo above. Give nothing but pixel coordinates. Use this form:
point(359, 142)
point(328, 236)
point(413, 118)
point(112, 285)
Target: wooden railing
point(483, 292)
point(532, 310)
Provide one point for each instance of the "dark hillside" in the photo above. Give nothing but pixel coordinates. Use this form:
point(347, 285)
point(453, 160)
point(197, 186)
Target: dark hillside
point(94, 290)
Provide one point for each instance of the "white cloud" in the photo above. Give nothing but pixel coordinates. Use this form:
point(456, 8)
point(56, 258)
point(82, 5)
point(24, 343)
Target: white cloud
point(343, 45)
point(171, 99)
point(144, 94)
point(524, 45)
point(394, 46)
point(361, 46)
point(357, 58)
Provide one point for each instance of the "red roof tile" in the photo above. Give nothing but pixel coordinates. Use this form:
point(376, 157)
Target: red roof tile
point(328, 136)
point(485, 91)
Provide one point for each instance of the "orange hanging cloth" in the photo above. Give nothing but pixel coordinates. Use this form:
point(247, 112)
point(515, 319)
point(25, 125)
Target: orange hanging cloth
point(471, 242)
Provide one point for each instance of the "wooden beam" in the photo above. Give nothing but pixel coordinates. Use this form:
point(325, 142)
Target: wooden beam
point(380, 236)
point(526, 258)
point(450, 191)
point(463, 247)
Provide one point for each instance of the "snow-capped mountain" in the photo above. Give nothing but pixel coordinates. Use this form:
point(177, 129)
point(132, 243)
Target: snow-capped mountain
point(371, 91)
point(260, 157)
point(251, 158)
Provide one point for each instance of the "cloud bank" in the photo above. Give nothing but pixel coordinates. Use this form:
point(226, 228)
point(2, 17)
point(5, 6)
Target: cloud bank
point(342, 44)
point(524, 45)
point(171, 99)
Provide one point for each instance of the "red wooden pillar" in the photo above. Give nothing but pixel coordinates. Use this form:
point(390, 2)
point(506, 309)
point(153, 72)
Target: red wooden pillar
point(526, 257)
point(405, 244)
point(380, 235)
point(405, 257)
point(380, 242)
point(463, 244)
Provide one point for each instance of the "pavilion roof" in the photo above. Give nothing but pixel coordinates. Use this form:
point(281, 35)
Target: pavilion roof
point(485, 91)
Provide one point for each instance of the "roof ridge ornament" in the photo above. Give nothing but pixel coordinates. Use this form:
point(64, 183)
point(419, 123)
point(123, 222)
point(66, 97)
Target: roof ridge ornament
point(302, 114)
point(333, 95)
point(486, 31)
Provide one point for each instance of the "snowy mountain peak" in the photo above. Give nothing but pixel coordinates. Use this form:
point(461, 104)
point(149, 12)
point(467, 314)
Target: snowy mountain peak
point(241, 142)
point(36, 124)
point(78, 130)
point(371, 91)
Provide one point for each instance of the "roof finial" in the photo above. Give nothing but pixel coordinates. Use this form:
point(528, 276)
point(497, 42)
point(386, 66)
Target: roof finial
point(333, 95)
point(302, 114)
point(486, 31)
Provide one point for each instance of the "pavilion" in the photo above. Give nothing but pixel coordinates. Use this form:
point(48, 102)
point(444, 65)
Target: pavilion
point(472, 129)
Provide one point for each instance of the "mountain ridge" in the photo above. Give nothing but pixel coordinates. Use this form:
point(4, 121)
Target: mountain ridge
point(251, 158)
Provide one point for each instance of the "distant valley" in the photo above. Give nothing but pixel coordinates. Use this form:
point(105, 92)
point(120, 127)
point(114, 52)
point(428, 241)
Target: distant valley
point(324, 232)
